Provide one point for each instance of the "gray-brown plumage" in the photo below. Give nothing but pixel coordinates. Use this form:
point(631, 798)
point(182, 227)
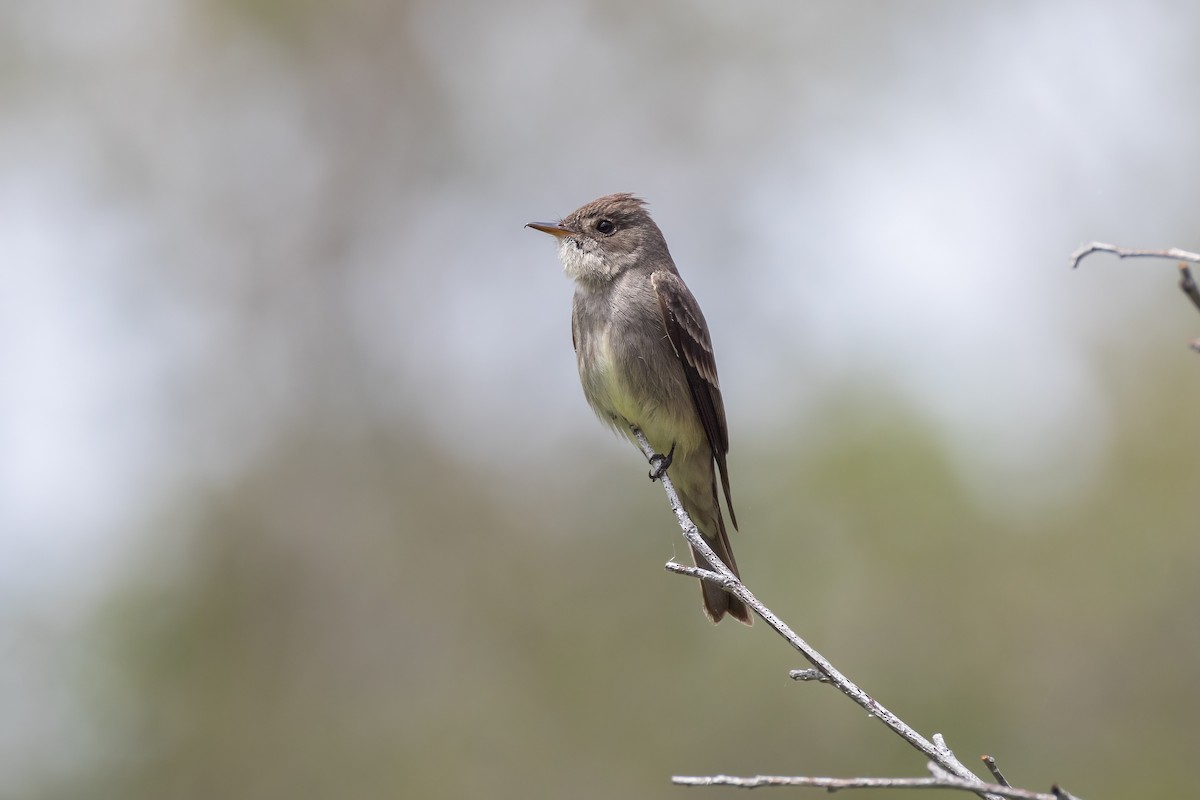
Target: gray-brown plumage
point(645, 359)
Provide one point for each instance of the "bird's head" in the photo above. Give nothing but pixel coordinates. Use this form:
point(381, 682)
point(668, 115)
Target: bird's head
point(604, 238)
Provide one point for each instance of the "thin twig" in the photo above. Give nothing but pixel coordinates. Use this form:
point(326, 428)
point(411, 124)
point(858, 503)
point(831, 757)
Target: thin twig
point(834, 784)
point(1187, 285)
point(939, 742)
point(725, 581)
point(937, 751)
point(1125, 252)
point(994, 768)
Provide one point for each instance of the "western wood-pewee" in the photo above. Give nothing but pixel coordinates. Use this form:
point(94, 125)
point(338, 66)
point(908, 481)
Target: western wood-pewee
point(646, 360)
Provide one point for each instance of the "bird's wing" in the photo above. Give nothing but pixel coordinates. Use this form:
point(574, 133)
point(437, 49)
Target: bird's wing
point(689, 337)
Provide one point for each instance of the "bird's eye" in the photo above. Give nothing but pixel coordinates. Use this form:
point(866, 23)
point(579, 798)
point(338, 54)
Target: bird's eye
point(605, 226)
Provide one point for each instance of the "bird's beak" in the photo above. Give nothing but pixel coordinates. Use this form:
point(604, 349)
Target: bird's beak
point(554, 229)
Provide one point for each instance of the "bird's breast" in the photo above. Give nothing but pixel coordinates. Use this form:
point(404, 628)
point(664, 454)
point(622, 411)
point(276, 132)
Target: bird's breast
point(600, 372)
point(630, 375)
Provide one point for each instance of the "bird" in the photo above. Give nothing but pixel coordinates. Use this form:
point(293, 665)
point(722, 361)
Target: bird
point(645, 360)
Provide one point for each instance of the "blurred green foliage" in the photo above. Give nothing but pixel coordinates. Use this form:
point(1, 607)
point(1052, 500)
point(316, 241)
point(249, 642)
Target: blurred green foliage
point(364, 616)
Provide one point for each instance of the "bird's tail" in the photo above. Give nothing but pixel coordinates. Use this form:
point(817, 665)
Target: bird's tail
point(710, 522)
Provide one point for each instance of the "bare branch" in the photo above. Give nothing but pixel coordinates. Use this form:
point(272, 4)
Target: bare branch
point(1125, 252)
point(956, 774)
point(1187, 285)
point(834, 784)
point(994, 768)
point(939, 742)
point(697, 572)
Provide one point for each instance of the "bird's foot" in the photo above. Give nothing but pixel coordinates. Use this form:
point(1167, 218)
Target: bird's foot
point(659, 463)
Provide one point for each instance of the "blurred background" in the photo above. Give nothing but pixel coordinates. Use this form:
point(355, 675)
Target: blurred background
point(299, 496)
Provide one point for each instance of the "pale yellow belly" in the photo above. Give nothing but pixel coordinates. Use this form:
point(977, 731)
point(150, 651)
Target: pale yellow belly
point(666, 420)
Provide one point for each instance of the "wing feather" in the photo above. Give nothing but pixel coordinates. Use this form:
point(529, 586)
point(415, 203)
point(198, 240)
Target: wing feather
point(689, 337)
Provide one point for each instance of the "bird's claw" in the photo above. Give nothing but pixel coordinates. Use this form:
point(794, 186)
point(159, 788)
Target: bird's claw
point(660, 463)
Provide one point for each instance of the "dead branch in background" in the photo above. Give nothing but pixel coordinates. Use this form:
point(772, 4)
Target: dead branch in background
point(1187, 284)
point(940, 779)
point(947, 771)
